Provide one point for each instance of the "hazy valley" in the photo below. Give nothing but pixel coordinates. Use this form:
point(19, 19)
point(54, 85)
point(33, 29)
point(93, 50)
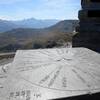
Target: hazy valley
point(33, 38)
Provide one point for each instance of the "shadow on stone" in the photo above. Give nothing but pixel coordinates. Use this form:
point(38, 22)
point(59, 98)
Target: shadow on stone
point(83, 97)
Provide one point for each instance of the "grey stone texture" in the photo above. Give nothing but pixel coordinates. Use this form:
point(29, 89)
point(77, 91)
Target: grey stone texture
point(89, 26)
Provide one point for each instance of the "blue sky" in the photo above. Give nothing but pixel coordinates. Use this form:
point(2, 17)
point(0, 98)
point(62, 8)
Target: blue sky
point(39, 9)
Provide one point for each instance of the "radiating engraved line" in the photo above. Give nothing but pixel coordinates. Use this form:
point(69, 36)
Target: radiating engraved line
point(50, 56)
point(88, 63)
point(88, 73)
point(34, 67)
point(93, 72)
point(70, 90)
point(93, 75)
point(51, 53)
point(44, 53)
point(82, 79)
point(94, 69)
point(47, 76)
point(47, 51)
point(54, 77)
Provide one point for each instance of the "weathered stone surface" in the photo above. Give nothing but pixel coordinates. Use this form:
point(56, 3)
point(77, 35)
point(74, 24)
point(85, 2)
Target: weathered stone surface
point(89, 26)
point(46, 74)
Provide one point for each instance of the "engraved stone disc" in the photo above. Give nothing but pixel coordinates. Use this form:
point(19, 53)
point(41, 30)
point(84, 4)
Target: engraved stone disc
point(53, 73)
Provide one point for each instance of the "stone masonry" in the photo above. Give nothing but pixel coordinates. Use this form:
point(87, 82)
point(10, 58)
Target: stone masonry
point(89, 26)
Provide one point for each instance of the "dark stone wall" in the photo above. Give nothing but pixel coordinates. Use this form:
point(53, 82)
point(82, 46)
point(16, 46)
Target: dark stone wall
point(95, 96)
point(89, 26)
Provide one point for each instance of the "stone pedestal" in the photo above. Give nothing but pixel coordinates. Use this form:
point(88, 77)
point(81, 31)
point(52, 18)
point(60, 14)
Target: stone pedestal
point(89, 25)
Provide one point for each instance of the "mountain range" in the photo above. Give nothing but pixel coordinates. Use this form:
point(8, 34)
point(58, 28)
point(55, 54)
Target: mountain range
point(33, 38)
point(26, 23)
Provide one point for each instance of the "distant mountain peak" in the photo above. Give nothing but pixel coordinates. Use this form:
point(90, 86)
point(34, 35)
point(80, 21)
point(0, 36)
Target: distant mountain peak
point(20, 38)
point(28, 19)
point(6, 25)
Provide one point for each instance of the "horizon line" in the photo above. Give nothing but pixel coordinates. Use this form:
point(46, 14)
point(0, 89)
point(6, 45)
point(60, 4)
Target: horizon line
point(7, 19)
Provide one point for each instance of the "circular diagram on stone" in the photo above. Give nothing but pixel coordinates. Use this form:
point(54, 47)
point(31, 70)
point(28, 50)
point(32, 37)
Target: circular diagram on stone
point(64, 69)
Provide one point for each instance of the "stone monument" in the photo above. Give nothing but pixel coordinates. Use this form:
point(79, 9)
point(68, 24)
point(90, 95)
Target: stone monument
point(46, 74)
point(89, 26)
